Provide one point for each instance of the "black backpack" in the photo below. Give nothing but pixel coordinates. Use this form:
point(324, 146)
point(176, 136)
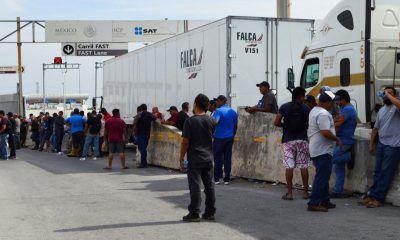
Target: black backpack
point(297, 119)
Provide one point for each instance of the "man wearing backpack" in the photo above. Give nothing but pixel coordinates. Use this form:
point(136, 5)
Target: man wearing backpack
point(293, 117)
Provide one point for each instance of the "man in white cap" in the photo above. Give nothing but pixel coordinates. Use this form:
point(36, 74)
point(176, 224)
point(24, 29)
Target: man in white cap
point(322, 140)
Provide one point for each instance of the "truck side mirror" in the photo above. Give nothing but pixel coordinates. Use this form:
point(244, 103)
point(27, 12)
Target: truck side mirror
point(94, 103)
point(290, 79)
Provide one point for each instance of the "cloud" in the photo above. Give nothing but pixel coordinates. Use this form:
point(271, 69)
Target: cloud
point(13, 5)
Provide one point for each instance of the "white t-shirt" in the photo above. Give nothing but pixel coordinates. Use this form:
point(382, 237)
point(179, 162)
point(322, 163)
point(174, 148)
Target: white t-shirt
point(17, 125)
point(320, 119)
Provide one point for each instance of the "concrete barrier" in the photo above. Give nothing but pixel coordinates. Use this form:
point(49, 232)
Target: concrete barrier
point(257, 154)
point(164, 146)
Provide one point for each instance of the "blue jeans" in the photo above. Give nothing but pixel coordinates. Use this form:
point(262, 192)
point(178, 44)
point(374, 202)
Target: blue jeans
point(53, 141)
point(386, 164)
point(320, 187)
point(59, 139)
point(35, 138)
point(42, 138)
point(222, 157)
point(340, 157)
point(142, 143)
point(3, 146)
point(91, 139)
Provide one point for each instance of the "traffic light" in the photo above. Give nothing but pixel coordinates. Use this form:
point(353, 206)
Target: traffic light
point(58, 60)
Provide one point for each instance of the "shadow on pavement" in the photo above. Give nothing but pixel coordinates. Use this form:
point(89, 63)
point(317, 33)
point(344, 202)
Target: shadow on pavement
point(115, 226)
point(54, 164)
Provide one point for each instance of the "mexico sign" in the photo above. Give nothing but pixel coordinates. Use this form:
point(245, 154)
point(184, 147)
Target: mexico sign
point(116, 31)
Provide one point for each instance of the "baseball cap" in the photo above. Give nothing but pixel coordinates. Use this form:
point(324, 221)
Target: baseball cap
point(221, 98)
point(326, 88)
point(263, 84)
point(327, 96)
point(172, 108)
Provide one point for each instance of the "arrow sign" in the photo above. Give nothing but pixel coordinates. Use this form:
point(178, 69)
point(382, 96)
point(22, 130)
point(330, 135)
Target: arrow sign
point(68, 49)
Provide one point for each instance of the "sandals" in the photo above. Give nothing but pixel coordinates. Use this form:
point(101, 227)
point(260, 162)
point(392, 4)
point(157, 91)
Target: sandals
point(286, 198)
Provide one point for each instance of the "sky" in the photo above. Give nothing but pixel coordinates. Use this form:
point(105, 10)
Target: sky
point(34, 55)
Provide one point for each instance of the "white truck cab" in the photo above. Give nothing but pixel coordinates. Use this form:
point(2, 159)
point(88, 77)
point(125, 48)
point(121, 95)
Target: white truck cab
point(356, 48)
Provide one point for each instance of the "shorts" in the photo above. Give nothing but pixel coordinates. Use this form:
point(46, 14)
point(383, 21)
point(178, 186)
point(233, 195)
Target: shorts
point(114, 147)
point(296, 154)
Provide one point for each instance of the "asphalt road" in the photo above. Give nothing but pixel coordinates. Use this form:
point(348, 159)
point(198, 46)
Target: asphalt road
point(43, 196)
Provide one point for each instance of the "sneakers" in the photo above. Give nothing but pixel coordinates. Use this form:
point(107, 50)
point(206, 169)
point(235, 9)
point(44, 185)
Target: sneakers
point(328, 205)
point(191, 218)
point(374, 204)
point(95, 159)
point(365, 201)
point(319, 208)
point(60, 153)
point(82, 159)
point(226, 183)
point(208, 217)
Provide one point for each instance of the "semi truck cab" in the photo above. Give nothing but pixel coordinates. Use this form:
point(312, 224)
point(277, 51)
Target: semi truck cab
point(356, 48)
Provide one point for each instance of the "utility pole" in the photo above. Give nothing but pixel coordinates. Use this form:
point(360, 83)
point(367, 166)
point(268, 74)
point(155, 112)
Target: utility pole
point(20, 89)
point(97, 66)
point(283, 8)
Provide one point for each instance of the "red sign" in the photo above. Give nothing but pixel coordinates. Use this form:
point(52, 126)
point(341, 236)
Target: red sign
point(58, 60)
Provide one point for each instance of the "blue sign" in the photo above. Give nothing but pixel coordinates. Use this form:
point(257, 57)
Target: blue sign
point(138, 31)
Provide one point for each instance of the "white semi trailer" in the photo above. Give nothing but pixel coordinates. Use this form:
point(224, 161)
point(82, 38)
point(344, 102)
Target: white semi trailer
point(228, 57)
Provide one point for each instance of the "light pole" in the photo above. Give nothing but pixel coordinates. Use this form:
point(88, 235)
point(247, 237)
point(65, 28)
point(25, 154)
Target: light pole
point(97, 66)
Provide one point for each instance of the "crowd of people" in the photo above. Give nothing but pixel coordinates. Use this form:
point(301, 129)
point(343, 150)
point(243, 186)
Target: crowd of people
point(319, 132)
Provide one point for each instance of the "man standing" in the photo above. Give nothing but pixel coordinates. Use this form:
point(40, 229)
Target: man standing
point(93, 127)
point(59, 131)
point(310, 101)
point(44, 126)
point(182, 116)
point(106, 115)
point(173, 111)
point(212, 107)
point(385, 144)
point(268, 102)
point(143, 128)
point(295, 142)
point(24, 131)
point(157, 113)
point(11, 135)
point(116, 135)
point(197, 144)
point(322, 139)
point(226, 119)
point(35, 129)
point(345, 123)
point(17, 137)
point(76, 122)
point(3, 136)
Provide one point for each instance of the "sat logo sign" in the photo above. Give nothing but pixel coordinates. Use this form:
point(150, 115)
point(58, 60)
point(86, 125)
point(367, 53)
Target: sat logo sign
point(140, 31)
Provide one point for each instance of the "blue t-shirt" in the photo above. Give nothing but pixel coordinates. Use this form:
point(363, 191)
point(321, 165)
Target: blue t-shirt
point(346, 131)
point(76, 122)
point(289, 136)
point(226, 119)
